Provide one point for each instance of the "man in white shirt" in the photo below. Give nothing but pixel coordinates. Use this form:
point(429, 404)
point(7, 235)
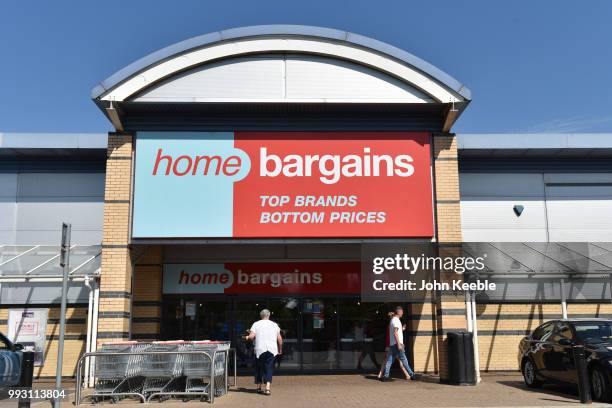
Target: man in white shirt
point(268, 344)
point(396, 345)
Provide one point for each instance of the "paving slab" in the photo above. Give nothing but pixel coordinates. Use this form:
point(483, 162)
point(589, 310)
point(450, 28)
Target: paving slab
point(352, 390)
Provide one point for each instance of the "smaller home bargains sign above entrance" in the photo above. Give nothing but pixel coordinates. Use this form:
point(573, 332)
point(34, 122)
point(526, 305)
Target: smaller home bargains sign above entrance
point(263, 278)
point(282, 184)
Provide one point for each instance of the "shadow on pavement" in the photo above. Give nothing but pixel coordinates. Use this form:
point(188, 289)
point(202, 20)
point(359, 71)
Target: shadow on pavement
point(245, 390)
point(564, 391)
point(428, 378)
point(420, 378)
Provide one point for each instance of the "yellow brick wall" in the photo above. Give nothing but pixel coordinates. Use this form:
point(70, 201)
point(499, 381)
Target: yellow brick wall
point(450, 317)
point(423, 344)
point(116, 274)
point(74, 343)
point(448, 223)
point(502, 326)
point(147, 291)
point(446, 176)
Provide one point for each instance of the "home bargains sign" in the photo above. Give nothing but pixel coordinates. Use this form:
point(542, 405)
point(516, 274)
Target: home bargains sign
point(263, 278)
point(282, 184)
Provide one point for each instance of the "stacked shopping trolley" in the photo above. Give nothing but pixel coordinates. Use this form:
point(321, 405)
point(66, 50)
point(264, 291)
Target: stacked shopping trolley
point(158, 370)
point(197, 369)
point(117, 370)
point(162, 369)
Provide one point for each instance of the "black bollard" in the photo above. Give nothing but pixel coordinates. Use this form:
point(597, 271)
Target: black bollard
point(584, 383)
point(27, 374)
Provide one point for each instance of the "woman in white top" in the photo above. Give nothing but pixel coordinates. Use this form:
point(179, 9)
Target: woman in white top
point(268, 344)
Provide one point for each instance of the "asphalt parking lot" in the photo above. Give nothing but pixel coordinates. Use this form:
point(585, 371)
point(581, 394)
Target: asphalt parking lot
point(495, 390)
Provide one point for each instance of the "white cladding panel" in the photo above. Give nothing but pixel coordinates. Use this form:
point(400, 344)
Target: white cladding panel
point(65, 185)
point(34, 205)
point(8, 207)
point(556, 207)
point(280, 77)
point(238, 78)
point(580, 212)
point(36, 226)
point(495, 220)
point(312, 77)
point(487, 207)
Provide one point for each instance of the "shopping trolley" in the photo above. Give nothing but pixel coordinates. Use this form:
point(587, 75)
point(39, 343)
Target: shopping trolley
point(118, 374)
point(220, 357)
point(161, 368)
point(197, 368)
point(158, 370)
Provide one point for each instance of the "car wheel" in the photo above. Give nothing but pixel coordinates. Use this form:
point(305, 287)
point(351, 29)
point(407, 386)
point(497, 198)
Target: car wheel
point(600, 385)
point(529, 375)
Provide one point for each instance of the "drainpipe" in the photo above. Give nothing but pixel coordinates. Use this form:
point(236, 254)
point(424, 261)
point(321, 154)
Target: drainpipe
point(475, 331)
point(89, 326)
point(94, 333)
point(563, 300)
point(468, 312)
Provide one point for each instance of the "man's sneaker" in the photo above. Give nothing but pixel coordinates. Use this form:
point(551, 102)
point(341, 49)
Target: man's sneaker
point(413, 377)
point(385, 379)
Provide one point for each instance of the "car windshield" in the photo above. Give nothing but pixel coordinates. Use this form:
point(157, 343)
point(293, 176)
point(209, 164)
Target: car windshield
point(594, 332)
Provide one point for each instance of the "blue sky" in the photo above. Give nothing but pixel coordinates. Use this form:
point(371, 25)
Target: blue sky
point(541, 66)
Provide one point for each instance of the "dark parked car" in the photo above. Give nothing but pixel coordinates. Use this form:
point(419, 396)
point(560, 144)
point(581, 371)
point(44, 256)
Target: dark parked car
point(547, 354)
point(10, 362)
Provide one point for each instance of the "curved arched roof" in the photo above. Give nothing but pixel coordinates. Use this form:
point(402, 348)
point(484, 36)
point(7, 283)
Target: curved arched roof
point(167, 62)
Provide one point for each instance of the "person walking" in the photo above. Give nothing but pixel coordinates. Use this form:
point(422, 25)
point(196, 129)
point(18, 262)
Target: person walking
point(387, 341)
point(268, 344)
point(396, 345)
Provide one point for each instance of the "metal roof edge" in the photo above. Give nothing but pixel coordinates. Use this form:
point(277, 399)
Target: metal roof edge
point(534, 141)
point(270, 30)
point(53, 140)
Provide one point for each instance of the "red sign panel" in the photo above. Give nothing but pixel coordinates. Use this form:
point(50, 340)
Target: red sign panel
point(263, 278)
point(334, 184)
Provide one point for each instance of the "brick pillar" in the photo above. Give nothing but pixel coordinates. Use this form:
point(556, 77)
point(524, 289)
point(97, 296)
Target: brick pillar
point(116, 273)
point(424, 347)
point(446, 173)
point(450, 311)
point(146, 313)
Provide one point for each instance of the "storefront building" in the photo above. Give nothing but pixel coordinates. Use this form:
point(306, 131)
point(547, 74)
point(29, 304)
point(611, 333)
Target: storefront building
point(247, 169)
point(279, 115)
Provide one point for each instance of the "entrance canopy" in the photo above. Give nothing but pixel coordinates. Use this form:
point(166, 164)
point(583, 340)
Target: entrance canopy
point(553, 259)
point(40, 263)
point(545, 271)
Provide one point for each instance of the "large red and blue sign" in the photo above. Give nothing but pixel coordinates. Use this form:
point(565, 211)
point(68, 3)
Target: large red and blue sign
point(282, 184)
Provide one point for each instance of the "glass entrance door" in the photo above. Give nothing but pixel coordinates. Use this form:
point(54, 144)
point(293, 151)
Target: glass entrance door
point(286, 313)
point(194, 319)
point(319, 333)
point(363, 330)
point(245, 312)
point(213, 320)
point(172, 323)
point(179, 319)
